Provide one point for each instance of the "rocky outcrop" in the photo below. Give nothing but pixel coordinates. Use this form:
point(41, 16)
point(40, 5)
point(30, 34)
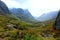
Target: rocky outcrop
point(57, 22)
point(3, 8)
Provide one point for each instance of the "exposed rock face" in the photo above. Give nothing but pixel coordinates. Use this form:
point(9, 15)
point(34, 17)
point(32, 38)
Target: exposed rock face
point(3, 8)
point(57, 22)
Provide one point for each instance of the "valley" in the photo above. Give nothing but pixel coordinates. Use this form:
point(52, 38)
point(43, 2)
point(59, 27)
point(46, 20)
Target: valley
point(19, 24)
point(11, 29)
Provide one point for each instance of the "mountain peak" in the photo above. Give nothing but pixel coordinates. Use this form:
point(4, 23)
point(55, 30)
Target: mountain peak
point(3, 8)
point(23, 14)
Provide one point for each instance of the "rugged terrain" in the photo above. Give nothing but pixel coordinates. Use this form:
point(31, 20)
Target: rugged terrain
point(13, 26)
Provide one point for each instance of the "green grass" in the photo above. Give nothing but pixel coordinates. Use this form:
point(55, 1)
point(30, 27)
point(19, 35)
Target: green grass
point(30, 31)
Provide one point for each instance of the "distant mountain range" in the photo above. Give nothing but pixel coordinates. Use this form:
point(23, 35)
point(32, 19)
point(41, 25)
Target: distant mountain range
point(23, 14)
point(48, 16)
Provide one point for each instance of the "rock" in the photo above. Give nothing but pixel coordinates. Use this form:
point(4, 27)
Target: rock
point(57, 22)
point(3, 8)
point(10, 25)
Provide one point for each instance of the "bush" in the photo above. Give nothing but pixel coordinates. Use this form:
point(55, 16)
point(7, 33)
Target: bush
point(32, 37)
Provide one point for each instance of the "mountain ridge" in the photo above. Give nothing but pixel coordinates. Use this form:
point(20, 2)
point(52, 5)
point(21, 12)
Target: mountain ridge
point(23, 14)
point(48, 16)
point(3, 8)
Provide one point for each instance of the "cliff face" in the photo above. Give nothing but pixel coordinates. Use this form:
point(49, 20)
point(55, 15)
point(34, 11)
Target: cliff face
point(3, 8)
point(57, 22)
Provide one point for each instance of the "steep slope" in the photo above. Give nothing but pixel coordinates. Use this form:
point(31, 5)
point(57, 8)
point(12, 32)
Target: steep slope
point(57, 22)
point(3, 8)
point(48, 16)
point(22, 14)
point(26, 11)
point(28, 15)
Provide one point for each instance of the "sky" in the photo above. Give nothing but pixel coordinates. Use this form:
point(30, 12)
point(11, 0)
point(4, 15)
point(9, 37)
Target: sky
point(36, 7)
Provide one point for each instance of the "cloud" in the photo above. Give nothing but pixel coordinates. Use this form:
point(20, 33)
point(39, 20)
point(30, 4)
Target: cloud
point(12, 3)
point(36, 7)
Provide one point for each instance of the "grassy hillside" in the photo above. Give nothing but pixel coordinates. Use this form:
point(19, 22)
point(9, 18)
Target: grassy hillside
point(12, 28)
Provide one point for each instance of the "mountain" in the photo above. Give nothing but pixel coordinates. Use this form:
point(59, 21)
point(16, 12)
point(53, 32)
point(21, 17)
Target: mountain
point(3, 8)
point(48, 16)
point(28, 14)
point(23, 14)
point(26, 11)
point(10, 27)
point(19, 13)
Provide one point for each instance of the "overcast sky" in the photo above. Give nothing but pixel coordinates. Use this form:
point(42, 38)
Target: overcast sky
point(36, 7)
